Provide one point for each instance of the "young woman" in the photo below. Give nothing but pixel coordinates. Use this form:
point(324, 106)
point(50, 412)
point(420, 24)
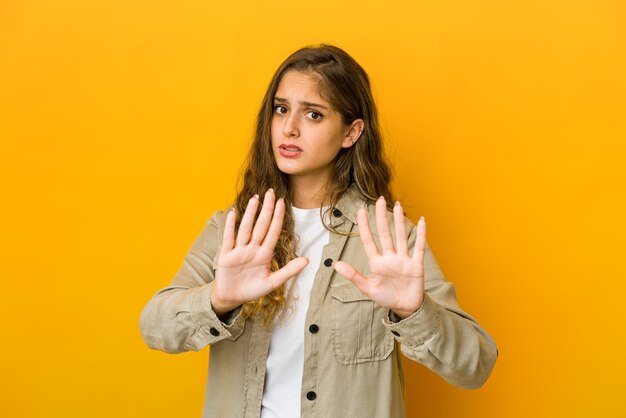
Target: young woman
point(309, 287)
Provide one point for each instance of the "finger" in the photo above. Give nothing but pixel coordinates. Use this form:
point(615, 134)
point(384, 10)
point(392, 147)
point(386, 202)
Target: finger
point(245, 227)
point(401, 239)
point(382, 225)
point(228, 239)
point(265, 217)
point(366, 235)
point(289, 270)
point(276, 226)
point(353, 275)
point(420, 241)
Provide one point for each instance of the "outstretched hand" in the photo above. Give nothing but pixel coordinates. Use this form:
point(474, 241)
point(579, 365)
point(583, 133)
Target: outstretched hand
point(243, 268)
point(397, 279)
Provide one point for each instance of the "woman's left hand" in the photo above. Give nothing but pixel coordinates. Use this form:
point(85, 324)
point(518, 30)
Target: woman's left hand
point(397, 279)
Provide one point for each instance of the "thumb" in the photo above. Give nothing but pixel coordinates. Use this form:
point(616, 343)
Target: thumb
point(350, 273)
point(289, 270)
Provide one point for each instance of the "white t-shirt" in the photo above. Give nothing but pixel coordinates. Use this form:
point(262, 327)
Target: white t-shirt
point(285, 360)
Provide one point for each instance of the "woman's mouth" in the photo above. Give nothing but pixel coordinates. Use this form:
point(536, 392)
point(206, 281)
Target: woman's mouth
point(289, 150)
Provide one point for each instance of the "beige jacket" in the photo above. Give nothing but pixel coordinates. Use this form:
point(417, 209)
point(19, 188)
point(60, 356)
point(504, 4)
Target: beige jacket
point(352, 362)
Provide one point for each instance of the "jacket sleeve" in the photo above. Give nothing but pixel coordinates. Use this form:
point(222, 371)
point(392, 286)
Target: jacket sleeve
point(179, 317)
point(440, 335)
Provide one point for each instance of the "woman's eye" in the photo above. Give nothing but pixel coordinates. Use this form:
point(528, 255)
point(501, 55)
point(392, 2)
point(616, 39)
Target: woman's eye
point(315, 115)
point(281, 110)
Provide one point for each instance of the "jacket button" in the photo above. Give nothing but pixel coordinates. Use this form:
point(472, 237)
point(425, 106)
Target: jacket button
point(395, 333)
point(328, 262)
point(311, 396)
point(214, 332)
point(337, 213)
point(314, 328)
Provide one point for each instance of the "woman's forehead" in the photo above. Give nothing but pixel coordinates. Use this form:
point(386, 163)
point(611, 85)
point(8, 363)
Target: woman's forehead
point(304, 88)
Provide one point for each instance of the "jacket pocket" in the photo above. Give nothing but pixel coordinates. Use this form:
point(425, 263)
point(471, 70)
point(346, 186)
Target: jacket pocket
point(358, 334)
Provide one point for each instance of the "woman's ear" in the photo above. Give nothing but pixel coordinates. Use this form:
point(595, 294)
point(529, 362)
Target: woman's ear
point(354, 133)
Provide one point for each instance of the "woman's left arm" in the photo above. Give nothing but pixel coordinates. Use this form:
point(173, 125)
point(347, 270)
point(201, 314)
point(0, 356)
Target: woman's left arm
point(424, 315)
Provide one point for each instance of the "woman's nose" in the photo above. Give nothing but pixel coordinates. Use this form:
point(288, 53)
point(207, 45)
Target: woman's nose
point(290, 128)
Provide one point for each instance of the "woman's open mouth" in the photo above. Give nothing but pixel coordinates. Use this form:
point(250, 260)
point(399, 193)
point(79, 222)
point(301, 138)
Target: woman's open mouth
point(289, 150)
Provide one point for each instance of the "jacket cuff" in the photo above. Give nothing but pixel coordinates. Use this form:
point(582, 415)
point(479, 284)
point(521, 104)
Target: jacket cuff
point(210, 329)
point(417, 328)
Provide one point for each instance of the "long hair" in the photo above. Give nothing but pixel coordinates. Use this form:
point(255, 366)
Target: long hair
point(345, 85)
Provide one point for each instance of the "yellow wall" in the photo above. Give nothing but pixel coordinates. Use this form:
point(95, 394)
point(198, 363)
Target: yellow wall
point(123, 125)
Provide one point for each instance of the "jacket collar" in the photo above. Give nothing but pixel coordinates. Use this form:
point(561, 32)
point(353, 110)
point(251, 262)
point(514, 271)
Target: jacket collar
point(348, 204)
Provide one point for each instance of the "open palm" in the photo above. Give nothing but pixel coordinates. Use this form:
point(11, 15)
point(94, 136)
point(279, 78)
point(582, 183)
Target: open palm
point(243, 268)
point(397, 279)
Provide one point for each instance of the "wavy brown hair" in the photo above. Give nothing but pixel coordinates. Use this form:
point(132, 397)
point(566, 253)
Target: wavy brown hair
point(345, 85)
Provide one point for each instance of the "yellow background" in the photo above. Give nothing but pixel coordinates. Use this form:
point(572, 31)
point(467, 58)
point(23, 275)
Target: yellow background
point(123, 125)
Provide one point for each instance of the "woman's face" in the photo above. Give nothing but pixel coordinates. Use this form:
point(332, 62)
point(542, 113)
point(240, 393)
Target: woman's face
point(307, 133)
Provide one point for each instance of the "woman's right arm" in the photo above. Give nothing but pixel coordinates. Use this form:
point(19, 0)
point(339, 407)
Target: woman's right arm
point(180, 317)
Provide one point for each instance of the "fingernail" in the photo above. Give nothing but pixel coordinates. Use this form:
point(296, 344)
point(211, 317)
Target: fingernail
point(381, 198)
point(256, 196)
point(270, 190)
point(422, 219)
point(397, 203)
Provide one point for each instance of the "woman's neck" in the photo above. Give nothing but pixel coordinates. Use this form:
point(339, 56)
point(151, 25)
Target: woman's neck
point(308, 193)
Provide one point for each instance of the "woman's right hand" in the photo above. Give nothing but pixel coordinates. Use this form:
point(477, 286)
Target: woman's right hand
point(243, 268)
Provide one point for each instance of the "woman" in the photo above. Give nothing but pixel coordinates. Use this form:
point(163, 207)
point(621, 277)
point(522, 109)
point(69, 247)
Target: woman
point(306, 307)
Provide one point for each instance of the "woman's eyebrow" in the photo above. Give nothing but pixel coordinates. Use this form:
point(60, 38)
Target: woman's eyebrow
point(304, 103)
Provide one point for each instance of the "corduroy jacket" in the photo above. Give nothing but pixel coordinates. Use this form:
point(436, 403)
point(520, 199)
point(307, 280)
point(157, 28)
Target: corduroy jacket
point(352, 346)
